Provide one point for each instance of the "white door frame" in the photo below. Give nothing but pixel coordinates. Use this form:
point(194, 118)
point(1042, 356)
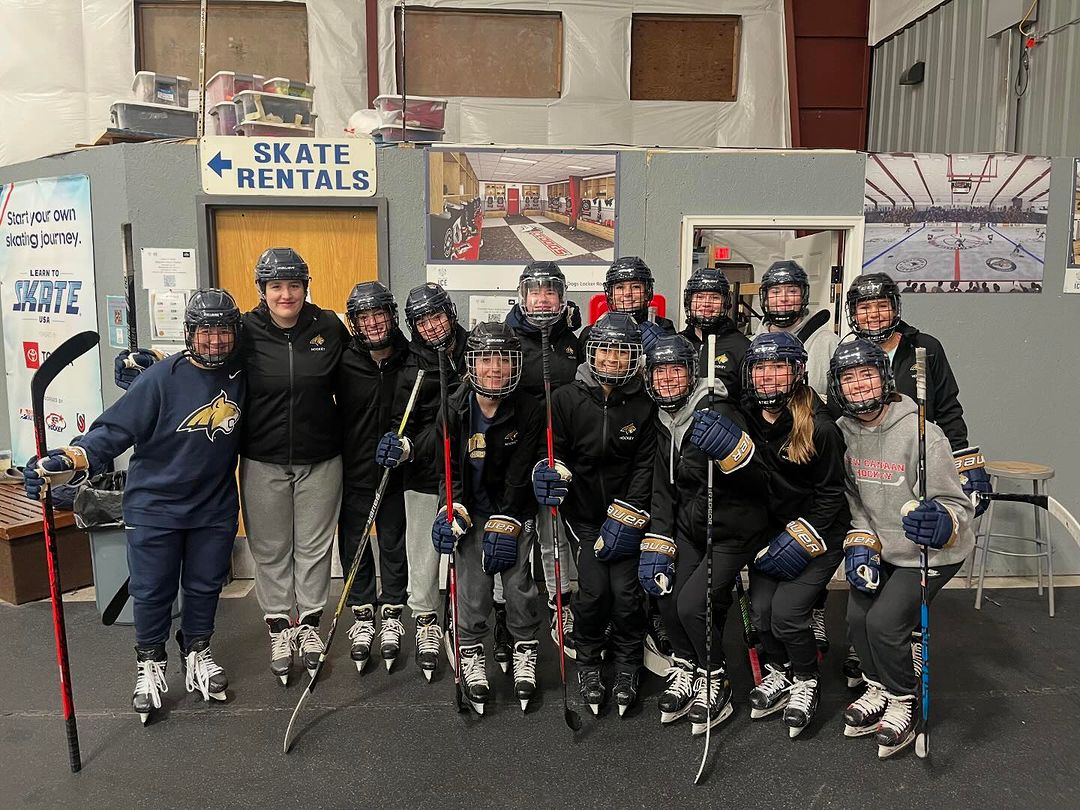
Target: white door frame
point(853, 227)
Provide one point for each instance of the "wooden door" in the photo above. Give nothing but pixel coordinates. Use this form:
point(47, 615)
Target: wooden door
point(512, 202)
point(340, 246)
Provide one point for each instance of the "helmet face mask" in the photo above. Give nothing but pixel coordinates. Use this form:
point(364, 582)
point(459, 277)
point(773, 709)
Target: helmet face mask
point(493, 360)
point(613, 350)
point(542, 293)
point(873, 307)
point(371, 313)
point(773, 368)
point(784, 293)
point(671, 371)
point(628, 286)
point(860, 379)
point(431, 315)
point(706, 298)
point(212, 327)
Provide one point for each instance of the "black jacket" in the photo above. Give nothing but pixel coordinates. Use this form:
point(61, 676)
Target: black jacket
point(513, 444)
point(566, 353)
point(371, 398)
point(664, 323)
point(942, 403)
point(740, 510)
point(291, 417)
point(609, 444)
point(426, 468)
point(731, 346)
point(813, 491)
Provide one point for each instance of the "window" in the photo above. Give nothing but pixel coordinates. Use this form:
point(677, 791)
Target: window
point(247, 37)
point(684, 57)
point(495, 54)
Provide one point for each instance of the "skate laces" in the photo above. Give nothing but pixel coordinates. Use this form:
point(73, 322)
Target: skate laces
point(201, 667)
point(306, 639)
point(392, 628)
point(151, 681)
point(898, 713)
point(817, 624)
point(363, 631)
point(525, 662)
point(714, 683)
point(802, 695)
point(872, 701)
point(428, 636)
point(473, 667)
point(281, 643)
point(775, 681)
point(680, 681)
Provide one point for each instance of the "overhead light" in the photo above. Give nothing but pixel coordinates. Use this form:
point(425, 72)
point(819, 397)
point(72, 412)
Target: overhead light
point(517, 160)
point(581, 168)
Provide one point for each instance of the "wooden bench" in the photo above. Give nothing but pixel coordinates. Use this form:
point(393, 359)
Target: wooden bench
point(24, 569)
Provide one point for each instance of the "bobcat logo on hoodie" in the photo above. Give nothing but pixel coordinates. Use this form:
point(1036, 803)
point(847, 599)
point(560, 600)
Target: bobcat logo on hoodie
point(219, 415)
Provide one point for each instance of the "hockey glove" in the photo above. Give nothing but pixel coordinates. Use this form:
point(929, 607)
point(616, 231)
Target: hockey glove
point(128, 365)
point(721, 439)
point(500, 543)
point(621, 532)
point(656, 568)
point(393, 450)
point(444, 533)
point(650, 335)
point(971, 466)
point(862, 560)
point(787, 556)
point(929, 524)
point(62, 465)
point(550, 483)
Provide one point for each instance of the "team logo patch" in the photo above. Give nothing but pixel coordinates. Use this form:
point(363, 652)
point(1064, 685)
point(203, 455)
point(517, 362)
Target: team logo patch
point(477, 446)
point(55, 421)
point(569, 351)
point(627, 431)
point(219, 415)
point(511, 438)
point(318, 340)
point(80, 422)
point(721, 360)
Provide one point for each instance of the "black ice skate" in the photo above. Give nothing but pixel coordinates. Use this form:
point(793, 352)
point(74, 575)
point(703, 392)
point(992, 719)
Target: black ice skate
point(771, 695)
point(897, 729)
point(567, 625)
point(802, 704)
point(390, 634)
point(712, 702)
point(525, 653)
point(428, 637)
point(150, 680)
point(361, 634)
point(592, 687)
point(307, 642)
point(676, 698)
point(625, 689)
point(474, 676)
point(281, 646)
point(863, 716)
point(202, 673)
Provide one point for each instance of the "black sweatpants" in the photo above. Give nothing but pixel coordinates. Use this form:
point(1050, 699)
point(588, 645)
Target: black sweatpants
point(390, 534)
point(607, 592)
point(683, 610)
point(880, 626)
point(781, 611)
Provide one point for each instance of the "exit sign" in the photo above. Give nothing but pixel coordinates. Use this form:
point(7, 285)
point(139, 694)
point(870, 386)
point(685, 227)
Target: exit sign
point(721, 253)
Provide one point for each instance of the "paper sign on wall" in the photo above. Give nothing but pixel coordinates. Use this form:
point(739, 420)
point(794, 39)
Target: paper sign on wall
point(167, 314)
point(169, 269)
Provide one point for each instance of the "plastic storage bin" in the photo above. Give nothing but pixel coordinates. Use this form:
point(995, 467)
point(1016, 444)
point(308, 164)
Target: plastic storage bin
point(421, 111)
point(164, 120)
point(221, 119)
point(271, 108)
point(108, 552)
point(261, 129)
point(225, 84)
point(161, 88)
point(289, 87)
point(392, 134)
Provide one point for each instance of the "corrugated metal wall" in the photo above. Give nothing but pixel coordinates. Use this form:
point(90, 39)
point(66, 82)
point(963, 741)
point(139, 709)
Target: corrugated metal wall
point(968, 96)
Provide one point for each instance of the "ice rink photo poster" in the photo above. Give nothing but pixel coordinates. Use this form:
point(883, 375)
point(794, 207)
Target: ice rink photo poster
point(957, 223)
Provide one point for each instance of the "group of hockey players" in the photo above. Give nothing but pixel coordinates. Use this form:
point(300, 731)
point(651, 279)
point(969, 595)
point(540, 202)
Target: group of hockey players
point(809, 444)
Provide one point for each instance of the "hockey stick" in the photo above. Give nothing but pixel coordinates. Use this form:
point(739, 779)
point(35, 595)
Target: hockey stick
point(573, 720)
point(451, 567)
point(365, 538)
point(1047, 502)
point(65, 354)
point(749, 633)
point(922, 739)
point(710, 354)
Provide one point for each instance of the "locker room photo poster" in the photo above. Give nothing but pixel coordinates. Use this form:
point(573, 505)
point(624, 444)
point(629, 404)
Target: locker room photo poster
point(1072, 269)
point(957, 223)
point(492, 211)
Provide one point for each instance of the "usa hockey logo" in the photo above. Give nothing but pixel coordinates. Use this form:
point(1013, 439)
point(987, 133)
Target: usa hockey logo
point(80, 422)
point(56, 422)
point(219, 415)
point(26, 413)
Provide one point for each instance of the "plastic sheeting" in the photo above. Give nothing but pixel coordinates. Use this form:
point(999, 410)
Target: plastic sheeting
point(889, 16)
point(64, 62)
point(595, 107)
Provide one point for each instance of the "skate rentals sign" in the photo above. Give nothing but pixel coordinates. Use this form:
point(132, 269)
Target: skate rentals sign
point(296, 167)
point(47, 292)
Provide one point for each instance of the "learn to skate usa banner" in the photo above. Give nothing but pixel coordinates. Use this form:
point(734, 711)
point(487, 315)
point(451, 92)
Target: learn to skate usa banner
point(47, 295)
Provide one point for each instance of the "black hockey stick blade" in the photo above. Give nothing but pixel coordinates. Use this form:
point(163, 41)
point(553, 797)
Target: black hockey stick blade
point(116, 604)
point(65, 354)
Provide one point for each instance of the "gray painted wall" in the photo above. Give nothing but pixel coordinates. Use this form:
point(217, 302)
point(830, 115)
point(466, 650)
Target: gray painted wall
point(967, 102)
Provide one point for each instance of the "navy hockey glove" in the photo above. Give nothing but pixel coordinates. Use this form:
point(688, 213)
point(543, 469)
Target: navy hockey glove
point(656, 567)
point(500, 543)
point(971, 466)
point(787, 556)
point(621, 532)
point(721, 439)
point(62, 465)
point(862, 560)
point(445, 533)
point(650, 334)
point(393, 450)
point(550, 483)
point(929, 523)
point(128, 365)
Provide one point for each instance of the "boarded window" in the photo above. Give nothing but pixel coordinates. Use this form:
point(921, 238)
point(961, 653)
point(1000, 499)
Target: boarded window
point(494, 54)
point(684, 57)
point(247, 37)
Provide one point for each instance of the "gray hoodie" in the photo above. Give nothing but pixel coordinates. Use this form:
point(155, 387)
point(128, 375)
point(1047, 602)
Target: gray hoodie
point(881, 466)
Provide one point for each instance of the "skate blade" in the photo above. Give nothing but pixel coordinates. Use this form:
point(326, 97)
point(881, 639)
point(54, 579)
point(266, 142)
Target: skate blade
point(886, 751)
point(476, 707)
point(524, 703)
point(795, 731)
point(855, 683)
point(145, 717)
point(860, 731)
point(389, 663)
point(504, 666)
point(221, 696)
point(671, 717)
point(697, 729)
point(595, 708)
point(427, 674)
point(284, 679)
point(622, 709)
point(360, 664)
point(757, 714)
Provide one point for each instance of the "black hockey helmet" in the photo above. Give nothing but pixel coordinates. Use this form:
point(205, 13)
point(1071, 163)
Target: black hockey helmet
point(784, 272)
point(615, 332)
point(706, 279)
point(670, 350)
point(873, 287)
point(427, 300)
point(629, 268)
point(370, 296)
point(540, 276)
point(781, 347)
point(213, 309)
point(489, 340)
point(280, 264)
point(855, 354)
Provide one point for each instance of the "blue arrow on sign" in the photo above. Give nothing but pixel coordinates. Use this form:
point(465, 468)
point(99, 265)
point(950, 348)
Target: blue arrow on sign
point(218, 163)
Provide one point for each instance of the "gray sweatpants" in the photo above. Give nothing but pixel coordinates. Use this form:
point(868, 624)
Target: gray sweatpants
point(475, 589)
point(420, 511)
point(290, 513)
